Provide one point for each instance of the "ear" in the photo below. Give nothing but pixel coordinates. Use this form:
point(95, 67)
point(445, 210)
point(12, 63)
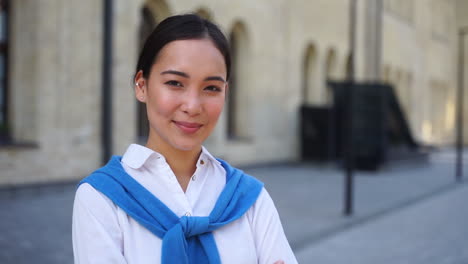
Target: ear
point(140, 87)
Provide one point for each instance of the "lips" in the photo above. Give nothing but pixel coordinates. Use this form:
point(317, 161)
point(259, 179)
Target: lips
point(188, 127)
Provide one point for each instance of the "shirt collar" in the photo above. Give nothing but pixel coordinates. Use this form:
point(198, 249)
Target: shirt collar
point(137, 155)
point(205, 157)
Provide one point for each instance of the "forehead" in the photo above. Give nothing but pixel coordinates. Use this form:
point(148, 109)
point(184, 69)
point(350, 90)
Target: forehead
point(198, 55)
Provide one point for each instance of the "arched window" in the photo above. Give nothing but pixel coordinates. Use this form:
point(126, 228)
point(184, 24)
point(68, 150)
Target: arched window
point(349, 67)
point(158, 8)
point(438, 107)
point(237, 103)
point(397, 83)
point(405, 92)
point(331, 65)
point(309, 74)
point(330, 74)
point(205, 13)
point(386, 73)
point(148, 23)
point(4, 18)
point(152, 13)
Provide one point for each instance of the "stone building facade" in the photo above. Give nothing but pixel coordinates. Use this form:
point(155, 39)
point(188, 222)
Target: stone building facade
point(285, 51)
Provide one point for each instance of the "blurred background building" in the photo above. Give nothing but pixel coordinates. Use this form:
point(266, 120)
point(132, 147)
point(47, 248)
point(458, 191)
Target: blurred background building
point(285, 52)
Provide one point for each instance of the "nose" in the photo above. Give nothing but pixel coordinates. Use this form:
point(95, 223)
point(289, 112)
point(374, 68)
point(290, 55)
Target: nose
point(191, 104)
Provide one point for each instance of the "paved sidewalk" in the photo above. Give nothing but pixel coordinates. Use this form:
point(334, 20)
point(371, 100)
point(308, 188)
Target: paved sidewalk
point(310, 198)
point(35, 225)
point(432, 231)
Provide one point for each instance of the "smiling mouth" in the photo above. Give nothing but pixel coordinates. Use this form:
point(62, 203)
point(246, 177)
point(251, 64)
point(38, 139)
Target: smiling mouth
point(188, 127)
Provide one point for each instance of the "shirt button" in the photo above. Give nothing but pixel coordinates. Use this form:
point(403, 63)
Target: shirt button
point(187, 214)
point(202, 162)
point(193, 177)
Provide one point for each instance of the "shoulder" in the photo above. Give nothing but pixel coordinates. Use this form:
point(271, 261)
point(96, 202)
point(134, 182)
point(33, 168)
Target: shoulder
point(88, 199)
point(233, 171)
point(264, 205)
point(87, 193)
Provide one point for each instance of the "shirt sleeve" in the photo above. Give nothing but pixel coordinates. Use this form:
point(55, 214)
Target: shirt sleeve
point(97, 237)
point(270, 241)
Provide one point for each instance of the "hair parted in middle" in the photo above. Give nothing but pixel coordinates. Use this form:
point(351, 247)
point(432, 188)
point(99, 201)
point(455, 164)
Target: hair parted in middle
point(181, 27)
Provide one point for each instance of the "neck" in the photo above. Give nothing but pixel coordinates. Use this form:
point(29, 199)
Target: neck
point(182, 162)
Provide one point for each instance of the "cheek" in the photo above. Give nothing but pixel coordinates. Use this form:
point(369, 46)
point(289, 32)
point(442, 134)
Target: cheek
point(215, 108)
point(161, 105)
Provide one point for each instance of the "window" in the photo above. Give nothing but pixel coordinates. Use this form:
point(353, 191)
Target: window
point(309, 75)
point(330, 74)
point(4, 126)
point(204, 13)
point(238, 114)
point(231, 105)
point(148, 23)
point(152, 12)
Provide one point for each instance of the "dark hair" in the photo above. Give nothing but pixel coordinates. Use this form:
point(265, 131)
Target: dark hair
point(181, 27)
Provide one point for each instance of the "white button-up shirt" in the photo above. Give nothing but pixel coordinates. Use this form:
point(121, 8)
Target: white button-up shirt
point(104, 233)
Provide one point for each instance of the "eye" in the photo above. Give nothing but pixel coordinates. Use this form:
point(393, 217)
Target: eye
point(213, 88)
point(174, 83)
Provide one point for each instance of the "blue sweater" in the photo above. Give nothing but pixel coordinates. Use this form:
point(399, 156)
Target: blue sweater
point(187, 239)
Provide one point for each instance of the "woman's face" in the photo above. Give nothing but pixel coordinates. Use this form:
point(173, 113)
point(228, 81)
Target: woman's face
point(184, 94)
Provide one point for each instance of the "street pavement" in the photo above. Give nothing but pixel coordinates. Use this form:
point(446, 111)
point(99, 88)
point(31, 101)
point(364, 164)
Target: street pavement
point(35, 225)
point(433, 230)
point(407, 212)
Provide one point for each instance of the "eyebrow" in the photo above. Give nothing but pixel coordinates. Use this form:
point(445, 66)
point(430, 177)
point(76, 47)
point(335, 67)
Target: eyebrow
point(185, 75)
point(215, 78)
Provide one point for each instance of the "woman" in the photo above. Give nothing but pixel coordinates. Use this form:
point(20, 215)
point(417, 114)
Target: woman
point(171, 201)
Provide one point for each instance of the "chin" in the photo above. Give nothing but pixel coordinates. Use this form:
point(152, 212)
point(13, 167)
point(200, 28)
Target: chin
point(187, 146)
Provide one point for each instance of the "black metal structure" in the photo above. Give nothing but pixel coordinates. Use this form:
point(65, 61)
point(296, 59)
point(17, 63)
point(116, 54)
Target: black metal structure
point(349, 179)
point(380, 127)
point(317, 133)
point(367, 110)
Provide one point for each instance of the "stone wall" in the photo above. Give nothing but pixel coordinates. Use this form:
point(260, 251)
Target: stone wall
point(289, 49)
point(55, 66)
point(418, 58)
